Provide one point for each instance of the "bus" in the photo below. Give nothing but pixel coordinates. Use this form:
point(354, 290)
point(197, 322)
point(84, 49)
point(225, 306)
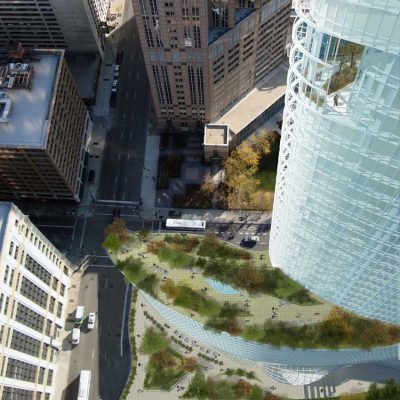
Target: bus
point(79, 315)
point(185, 224)
point(84, 385)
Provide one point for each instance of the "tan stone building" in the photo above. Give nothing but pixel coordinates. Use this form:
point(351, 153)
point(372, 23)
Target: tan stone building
point(203, 56)
point(34, 283)
point(44, 128)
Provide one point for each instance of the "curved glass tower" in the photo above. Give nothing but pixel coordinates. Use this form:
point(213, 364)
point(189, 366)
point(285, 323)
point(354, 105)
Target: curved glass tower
point(336, 216)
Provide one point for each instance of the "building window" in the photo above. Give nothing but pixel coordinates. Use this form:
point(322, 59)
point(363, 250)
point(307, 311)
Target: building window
point(156, 74)
point(196, 34)
point(200, 86)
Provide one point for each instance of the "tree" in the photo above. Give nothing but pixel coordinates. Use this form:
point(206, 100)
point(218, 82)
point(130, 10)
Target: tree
point(209, 184)
point(242, 388)
point(163, 359)
point(197, 386)
point(253, 332)
point(249, 278)
point(188, 364)
point(256, 393)
point(153, 342)
point(169, 288)
point(118, 228)
point(111, 243)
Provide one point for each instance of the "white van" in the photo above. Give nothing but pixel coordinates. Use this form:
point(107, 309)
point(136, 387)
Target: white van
point(76, 335)
point(80, 310)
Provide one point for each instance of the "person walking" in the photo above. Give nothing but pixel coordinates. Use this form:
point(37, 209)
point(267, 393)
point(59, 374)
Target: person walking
point(335, 100)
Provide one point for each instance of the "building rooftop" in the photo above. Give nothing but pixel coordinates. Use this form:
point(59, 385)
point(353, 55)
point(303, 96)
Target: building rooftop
point(266, 93)
point(27, 119)
point(5, 208)
point(216, 135)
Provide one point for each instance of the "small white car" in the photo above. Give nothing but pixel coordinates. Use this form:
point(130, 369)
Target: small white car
point(252, 238)
point(116, 71)
point(91, 320)
point(76, 335)
point(114, 86)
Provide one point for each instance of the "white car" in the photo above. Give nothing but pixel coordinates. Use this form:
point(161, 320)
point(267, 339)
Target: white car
point(116, 71)
point(76, 334)
point(252, 238)
point(91, 320)
point(114, 86)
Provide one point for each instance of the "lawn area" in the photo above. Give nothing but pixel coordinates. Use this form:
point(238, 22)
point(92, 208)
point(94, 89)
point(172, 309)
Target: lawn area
point(165, 366)
point(266, 180)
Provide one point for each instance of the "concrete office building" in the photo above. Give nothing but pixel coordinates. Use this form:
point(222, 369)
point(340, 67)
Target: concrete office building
point(77, 25)
point(44, 129)
point(34, 278)
point(336, 215)
point(203, 56)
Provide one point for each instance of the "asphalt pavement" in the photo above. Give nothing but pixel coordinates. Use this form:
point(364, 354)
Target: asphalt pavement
point(123, 156)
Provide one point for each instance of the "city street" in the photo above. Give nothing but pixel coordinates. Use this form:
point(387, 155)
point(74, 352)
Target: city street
point(123, 157)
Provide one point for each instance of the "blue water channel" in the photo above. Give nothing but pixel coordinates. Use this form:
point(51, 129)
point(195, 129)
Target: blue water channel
point(222, 288)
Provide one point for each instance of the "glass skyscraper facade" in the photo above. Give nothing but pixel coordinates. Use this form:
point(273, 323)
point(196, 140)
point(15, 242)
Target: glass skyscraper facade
point(336, 216)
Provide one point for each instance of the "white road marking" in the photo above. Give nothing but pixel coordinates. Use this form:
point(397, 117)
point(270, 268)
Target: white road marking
point(128, 156)
point(83, 233)
point(238, 242)
point(240, 233)
point(123, 320)
point(116, 179)
point(119, 156)
point(124, 115)
point(137, 76)
point(263, 243)
point(135, 96)
point(73, 233)
point(93, 354)
point(100, 266)
point(125, 179)
point(129, 75)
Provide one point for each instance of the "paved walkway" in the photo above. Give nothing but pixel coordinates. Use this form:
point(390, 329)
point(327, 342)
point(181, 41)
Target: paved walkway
point(346, 380)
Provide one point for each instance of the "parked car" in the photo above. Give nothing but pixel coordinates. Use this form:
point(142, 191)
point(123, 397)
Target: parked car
point(251, 239)
point(76, 335)
point(116, 71)
point(114, 86)
point(91, 320)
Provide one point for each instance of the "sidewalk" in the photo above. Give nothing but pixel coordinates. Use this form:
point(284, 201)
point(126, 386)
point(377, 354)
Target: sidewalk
point(64, 356)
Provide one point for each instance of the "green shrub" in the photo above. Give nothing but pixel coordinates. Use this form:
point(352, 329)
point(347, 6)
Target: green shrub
point(153, 342)
point(111, 243)
point(253, 332)
point(174, 258)
point(189, 298)
point(133, 268)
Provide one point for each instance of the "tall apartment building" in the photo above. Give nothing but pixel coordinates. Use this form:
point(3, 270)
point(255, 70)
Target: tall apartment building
point(77, 25)
point(336, 216)
point(44, 128)
point(33, 301)
point(202, 56)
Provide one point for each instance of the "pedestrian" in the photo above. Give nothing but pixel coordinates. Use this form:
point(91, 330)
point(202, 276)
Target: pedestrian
point(335, 100)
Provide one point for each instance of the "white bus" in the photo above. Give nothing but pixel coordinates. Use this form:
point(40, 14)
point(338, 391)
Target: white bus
point(185, 224)
point(84, 385)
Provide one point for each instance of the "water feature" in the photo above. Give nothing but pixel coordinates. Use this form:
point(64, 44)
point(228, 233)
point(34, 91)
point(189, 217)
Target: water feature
point(222, 288)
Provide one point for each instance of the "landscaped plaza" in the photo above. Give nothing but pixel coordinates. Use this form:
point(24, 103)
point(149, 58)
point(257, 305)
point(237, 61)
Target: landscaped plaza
point(225, 288)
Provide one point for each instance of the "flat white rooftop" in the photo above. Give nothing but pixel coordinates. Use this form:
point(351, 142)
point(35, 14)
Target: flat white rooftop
point(266, 93)
point(4, 211)
point(216, 135)
point(29, 109)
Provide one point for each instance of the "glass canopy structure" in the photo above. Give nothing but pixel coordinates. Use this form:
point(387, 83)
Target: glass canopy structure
point(336, 215)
